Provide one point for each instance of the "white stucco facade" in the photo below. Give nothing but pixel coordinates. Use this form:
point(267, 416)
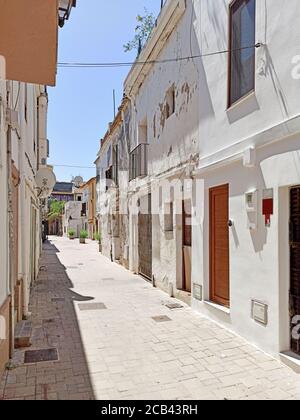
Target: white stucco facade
point(267, 121)
point(4, 283)
point(24, 150)
point(73, 218)
point(196, 142)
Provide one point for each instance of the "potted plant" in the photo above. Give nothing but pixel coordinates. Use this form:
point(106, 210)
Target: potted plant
point(98, 239)
point(71, 234)
point(83, 236)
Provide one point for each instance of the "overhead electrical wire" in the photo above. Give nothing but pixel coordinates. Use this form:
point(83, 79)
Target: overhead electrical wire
point(151, 62)
point(72, 166)
point(142, 63)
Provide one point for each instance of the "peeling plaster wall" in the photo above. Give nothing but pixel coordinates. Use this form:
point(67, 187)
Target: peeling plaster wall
point(115, 228)
point(204, 128)
point(173, 139)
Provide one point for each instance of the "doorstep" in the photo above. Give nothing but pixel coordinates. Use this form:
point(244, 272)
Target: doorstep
point(185, 297)
point(292, 360)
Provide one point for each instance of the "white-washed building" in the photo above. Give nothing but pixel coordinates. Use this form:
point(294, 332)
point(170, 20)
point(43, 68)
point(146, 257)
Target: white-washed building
point(112, 186)
point(28, 55)
point(216, 115)
point(74, 218)
point(25, 151)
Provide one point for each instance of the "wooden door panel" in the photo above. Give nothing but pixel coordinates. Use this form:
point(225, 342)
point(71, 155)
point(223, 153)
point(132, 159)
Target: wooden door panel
point(219, 245)
point(187, 245)
point(145, 238)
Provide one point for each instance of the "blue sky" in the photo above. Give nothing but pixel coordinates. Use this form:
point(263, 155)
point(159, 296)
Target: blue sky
point(81, 105)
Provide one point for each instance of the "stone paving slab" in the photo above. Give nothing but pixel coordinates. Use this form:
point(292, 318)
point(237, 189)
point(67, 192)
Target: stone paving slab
point(121, 352)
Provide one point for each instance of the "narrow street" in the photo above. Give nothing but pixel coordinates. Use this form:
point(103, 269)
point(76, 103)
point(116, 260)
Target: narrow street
point(116, 339)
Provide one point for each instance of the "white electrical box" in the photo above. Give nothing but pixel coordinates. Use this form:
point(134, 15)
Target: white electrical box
point(251, 202)
point(198, 292)
point(260, 312)
point(250, 157)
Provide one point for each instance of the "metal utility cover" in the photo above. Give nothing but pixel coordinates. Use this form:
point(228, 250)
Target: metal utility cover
point(39, 356)
point(173, 306)
point(50, 321)
point(260, 312)
point(58, 300)
point(161, 318)
point(198, 292)
point(92, 306)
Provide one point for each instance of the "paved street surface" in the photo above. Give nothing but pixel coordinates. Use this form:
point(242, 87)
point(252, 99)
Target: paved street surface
point(100, 318)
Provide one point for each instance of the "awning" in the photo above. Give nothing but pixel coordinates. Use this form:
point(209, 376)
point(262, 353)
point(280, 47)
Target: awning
point(28, 40)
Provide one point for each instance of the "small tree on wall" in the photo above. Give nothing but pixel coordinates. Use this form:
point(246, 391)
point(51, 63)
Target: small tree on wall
point(143, 30)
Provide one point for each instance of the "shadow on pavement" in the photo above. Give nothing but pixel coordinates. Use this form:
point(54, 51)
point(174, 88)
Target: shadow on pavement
point(55, 325)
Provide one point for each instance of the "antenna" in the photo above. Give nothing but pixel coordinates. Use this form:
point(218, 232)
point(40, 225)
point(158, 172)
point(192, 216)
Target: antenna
point(114, 102)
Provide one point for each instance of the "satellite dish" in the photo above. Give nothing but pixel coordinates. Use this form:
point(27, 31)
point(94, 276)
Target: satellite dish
point(78, 181)
point(45, 181)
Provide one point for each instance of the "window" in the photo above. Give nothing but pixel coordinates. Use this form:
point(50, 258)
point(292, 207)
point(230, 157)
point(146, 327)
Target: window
point(168, 217)
point(170, 102)
point(109, 177)
point(143, 132)
point(242, 47)
point(138, 162)
point(115, 175)
point(84, 210)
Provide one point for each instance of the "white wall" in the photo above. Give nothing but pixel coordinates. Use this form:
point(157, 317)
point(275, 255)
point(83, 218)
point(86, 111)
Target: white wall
point(217, 138)
point(274, 100)
point(265, 120)
point(73, 209)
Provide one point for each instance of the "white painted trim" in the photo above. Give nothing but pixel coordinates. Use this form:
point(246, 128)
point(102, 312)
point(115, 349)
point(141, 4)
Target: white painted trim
point(292, 360)
point(218, 307)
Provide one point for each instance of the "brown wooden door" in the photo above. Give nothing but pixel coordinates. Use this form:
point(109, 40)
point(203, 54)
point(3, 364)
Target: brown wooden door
point(295, 267)
point(219, 246)
point(145, 237)
point(187, 245)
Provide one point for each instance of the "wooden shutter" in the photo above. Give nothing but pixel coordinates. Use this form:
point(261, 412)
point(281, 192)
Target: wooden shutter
point(219, 246)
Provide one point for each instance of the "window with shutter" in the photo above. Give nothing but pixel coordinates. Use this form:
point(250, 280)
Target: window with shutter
point(242, 49)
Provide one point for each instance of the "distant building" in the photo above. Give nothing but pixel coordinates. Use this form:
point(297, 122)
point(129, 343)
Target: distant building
point(73, 218)
point(63, 191)
point(89, 207)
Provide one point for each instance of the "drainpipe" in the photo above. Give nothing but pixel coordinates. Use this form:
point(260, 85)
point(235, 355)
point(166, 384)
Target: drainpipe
point(42, 102)
point(9, 224)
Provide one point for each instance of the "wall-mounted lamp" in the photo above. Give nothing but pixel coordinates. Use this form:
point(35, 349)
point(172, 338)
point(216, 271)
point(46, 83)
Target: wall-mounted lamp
point(64, 10)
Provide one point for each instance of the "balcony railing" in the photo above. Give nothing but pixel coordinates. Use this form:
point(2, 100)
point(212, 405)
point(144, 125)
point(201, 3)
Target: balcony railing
point(139, 162)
